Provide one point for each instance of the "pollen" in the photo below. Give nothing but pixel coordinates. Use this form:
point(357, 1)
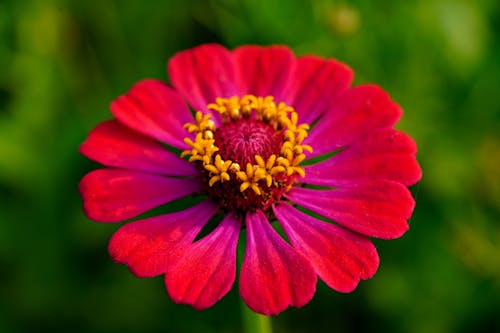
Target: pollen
point(253, 156)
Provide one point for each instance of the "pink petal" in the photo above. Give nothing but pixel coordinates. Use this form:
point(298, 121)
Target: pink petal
point(156, 110)
point(206, 271)
point(264, 71)
point(274, 275)
point(202, 74)
point(352, 115)
point(377, 209)
point(340, 257)
point(383, 154)
point(115, 145)
point(150, 246)
point(314, 84)
point(113, 195)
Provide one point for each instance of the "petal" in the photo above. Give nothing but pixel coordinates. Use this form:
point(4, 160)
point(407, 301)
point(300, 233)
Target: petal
point(340, 257)
point(314, 84)
point(150, 246)
point(377, 209)
point(114, 144)
point(264, 71)
point(274, 275)
point(154, 109)
point(113, 195)
point(355, 113)
point(384, 154)
point(202, 74)
point(207, 270)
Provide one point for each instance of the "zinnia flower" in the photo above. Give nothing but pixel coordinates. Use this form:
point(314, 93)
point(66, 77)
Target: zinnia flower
point(273, 139)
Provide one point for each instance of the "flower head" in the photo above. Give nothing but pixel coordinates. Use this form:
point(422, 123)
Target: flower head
point(272, 138)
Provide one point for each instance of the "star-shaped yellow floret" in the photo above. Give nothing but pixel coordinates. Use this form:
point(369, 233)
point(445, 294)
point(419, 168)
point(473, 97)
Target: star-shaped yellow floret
point(219, 170)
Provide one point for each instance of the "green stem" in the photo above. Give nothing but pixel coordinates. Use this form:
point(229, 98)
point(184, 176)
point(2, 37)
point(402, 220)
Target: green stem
point(254, 322)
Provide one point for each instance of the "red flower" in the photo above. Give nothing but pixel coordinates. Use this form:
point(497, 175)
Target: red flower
point(263, 115)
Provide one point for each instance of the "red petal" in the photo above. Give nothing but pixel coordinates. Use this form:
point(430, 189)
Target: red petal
point(384, 154)
point(264, 71)
point(315, 83)
point(340, 257)
point(274, 275)
point(150, 246)
point(203, 73)
point(156, 110)
point(113, 195)
point(115, 145)
point(377, 209)
point(352, 115)
point(207, 270)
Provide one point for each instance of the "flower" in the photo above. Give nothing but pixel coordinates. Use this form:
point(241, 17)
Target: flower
point(272, 138)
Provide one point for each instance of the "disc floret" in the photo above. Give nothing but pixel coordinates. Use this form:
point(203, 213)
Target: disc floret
point(254, 157)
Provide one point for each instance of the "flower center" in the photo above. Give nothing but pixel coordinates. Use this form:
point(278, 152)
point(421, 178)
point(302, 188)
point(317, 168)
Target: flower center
point(253, 158)
point(242, 139)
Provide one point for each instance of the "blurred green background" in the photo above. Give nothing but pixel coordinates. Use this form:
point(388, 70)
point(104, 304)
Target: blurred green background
point(62, 62)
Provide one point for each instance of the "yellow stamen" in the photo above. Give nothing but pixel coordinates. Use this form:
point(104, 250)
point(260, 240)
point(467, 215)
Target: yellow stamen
point(282, 161)
point(218, 170)
point(260, 161)
point(297, 159)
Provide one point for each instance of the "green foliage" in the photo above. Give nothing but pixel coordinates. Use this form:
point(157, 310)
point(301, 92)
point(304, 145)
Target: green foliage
point(63, 62)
